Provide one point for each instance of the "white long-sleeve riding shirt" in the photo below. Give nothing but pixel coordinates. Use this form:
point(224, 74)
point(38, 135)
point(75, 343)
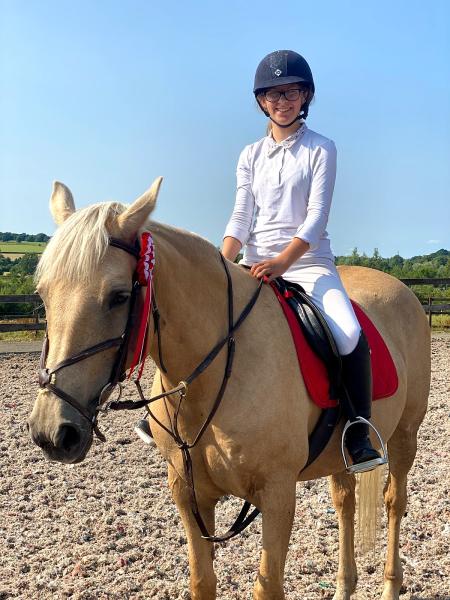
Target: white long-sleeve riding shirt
point(284, 190)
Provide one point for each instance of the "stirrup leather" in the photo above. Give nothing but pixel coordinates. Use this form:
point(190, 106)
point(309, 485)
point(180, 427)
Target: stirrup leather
point(370, 464)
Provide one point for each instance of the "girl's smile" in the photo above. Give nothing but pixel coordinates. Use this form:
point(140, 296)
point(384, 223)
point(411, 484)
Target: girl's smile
point(281, 110)
point(282, 105)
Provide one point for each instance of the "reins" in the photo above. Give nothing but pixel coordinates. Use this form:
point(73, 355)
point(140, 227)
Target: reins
point(244, 519)
point(118, 375)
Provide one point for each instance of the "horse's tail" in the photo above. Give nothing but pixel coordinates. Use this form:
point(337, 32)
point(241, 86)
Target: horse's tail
point(369, 498)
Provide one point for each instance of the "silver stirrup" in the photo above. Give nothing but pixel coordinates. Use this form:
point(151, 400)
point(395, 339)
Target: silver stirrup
point(142, 428)
point(369, 464)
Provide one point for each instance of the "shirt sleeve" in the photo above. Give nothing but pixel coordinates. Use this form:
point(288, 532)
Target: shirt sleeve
point(320, 195)
point(240, 223)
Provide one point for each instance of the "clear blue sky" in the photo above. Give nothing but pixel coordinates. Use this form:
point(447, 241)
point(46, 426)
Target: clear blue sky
point(107, 95)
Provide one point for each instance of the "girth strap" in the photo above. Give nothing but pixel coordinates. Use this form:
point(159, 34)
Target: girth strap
point(242, 521)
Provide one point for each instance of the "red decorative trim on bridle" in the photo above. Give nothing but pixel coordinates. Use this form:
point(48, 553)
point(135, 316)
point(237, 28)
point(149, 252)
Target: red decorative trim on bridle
point(144, 275)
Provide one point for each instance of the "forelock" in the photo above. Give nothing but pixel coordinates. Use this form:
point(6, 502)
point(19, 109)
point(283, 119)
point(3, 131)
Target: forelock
point(79, 244)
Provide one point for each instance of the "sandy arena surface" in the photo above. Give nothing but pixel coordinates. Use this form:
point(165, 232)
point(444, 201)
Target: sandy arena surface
point(107, 528)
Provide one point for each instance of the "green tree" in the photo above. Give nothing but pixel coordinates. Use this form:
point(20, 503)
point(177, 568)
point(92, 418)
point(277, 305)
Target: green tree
point(24, 266)
point(41, 237)
point(5, 264)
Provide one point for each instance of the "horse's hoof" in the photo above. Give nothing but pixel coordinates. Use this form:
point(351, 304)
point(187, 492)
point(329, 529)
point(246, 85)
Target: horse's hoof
point(390, 593)
point(344, 591)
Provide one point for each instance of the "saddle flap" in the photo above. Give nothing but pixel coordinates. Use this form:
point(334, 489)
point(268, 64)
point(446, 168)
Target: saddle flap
point(315, 329)
point(320, 363)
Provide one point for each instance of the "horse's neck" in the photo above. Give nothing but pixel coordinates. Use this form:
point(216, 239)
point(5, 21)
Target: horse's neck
point(191, 293)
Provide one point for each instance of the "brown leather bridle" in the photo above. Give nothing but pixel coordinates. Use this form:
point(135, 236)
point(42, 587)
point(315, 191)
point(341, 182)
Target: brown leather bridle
point(118, 370)
point(118, 375)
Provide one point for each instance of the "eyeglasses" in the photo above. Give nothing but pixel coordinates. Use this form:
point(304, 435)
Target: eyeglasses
point(290, 95)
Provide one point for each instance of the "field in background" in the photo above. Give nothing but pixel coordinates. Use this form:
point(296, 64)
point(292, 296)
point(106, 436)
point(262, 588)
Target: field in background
point(21, 336)
point(22, 247)
point(440, 322)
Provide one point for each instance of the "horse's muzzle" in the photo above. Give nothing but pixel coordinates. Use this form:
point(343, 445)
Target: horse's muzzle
point(67, 444)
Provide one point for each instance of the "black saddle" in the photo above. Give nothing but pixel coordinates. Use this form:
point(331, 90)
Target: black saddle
point(320, 338)
point(315, 329)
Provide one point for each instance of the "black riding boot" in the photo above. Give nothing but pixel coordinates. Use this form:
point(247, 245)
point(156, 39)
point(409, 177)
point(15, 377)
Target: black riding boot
point(357, 379)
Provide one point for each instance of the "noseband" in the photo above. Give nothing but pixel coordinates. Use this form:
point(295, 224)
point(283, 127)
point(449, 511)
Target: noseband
point(118, 370)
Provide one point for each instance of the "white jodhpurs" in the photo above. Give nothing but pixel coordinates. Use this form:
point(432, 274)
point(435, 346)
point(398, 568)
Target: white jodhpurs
point(321, 281)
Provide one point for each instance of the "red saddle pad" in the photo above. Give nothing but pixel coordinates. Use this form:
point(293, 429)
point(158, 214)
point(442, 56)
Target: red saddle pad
point(384, 373)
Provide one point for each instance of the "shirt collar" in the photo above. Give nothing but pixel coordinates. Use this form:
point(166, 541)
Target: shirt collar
point(273, 146)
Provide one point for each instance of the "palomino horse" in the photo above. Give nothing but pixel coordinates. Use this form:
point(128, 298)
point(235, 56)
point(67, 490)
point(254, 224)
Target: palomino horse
point(257, 443)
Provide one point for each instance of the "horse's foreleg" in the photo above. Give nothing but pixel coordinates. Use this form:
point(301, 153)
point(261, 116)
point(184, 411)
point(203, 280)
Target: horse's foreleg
point(402, 450)
point(278, 507)
point(342, 487)
point(203, 580)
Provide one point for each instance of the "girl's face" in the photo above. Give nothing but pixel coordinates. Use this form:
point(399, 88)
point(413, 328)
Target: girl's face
point(283, 111)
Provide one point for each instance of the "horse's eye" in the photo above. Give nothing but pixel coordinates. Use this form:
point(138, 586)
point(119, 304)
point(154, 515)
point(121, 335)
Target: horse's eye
point(118, 298)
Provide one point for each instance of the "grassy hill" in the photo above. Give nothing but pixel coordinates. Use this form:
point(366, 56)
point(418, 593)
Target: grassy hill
point(14, 247)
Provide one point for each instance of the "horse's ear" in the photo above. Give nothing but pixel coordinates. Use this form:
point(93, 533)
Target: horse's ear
point(134, 217)
point(61, 202)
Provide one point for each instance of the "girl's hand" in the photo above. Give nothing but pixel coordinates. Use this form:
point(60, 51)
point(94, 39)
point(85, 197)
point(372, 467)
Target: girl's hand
point(275, 267)
point(271, 268)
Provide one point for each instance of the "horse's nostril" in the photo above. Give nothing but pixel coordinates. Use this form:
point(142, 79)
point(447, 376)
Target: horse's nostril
point(38, 440)
point(68, 438)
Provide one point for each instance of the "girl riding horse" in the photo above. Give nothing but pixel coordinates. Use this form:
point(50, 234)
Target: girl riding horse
point(285, 184)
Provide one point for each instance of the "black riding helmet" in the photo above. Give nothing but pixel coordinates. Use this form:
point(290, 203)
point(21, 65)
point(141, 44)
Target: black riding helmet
point(281, 67)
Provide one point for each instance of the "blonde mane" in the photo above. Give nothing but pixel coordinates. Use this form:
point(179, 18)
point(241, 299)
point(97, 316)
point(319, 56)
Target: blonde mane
point(79, 244)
